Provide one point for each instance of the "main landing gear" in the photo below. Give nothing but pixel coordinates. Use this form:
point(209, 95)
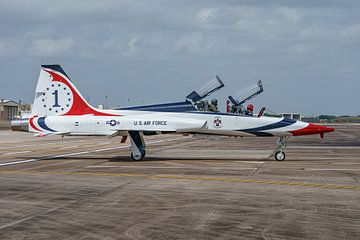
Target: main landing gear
point(279, 151)
point(137, 145)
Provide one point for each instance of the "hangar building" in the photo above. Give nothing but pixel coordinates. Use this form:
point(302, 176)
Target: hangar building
point(9, 109)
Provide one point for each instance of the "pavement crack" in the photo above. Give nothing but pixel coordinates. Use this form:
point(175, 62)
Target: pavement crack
point(85, 198)
point(257, 169)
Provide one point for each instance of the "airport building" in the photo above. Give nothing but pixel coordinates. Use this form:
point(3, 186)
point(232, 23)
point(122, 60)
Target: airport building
point(296, 116)
point(9, 109)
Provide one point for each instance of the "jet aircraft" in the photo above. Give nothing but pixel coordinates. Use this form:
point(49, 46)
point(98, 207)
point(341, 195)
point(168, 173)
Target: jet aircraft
point(60, 109)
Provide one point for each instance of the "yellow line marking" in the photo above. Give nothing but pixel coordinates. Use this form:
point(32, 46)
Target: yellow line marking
point(194, 178)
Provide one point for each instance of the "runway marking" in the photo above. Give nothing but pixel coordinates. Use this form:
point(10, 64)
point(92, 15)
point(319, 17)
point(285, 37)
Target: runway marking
point(69, 147)
point(28, 218)
point(81, 153)
point(194, 178)
point(255, 162)
point(15, 153)
point(345, 163)
point(324, 147)
point(257, 169)
point(168, 167)
point(331, 169)
point(42, 144)
point(327, 158)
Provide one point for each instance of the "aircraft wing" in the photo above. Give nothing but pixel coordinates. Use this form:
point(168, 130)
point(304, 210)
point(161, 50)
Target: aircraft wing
point(190, 130)
point(181, 127)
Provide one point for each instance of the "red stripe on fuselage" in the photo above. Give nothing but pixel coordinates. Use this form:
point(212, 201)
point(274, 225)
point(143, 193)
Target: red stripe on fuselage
point(32, 123)
point(79, 106)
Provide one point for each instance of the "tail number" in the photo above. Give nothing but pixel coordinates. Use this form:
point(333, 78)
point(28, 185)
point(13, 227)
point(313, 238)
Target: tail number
point(59, 98)
point(56, 96)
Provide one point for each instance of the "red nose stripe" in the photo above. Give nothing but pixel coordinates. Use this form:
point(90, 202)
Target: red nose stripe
point(312, 129)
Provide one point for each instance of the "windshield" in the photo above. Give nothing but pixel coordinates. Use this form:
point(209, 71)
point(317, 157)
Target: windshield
point(269, 113)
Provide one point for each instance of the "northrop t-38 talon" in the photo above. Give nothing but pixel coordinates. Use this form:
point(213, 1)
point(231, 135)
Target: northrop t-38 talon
point(60, 109)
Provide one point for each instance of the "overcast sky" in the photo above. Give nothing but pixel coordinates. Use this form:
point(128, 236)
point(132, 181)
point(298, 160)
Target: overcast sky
point(307, 53)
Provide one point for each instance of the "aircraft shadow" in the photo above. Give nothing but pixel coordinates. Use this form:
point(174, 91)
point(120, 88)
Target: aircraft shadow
point(146, 159)
point(162, 159)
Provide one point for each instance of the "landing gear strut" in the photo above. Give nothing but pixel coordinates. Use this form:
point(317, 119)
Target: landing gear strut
point(279, 151)
point(137, 145)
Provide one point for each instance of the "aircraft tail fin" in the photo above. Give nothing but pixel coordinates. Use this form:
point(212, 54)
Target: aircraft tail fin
point(56, 95)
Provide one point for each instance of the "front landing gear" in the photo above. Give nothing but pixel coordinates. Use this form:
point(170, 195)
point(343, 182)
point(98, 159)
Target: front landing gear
point(137, 145)
point(138, 157)
point(279, 151)
point(279, 156)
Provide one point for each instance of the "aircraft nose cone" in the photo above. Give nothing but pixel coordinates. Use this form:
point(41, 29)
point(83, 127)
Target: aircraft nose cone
point(312, 129)
point(319, 129)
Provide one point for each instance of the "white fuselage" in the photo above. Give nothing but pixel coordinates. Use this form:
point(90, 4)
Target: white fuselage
point(197, 122)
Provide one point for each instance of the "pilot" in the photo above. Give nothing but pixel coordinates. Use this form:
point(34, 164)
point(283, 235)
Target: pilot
point(233, 108)
point(214, 105)
point(249, 110)
point(237, 109)
point(200, 106)
point(205, 105)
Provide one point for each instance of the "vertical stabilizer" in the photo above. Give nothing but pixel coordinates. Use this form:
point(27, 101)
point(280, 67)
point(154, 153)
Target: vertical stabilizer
point(56, 95)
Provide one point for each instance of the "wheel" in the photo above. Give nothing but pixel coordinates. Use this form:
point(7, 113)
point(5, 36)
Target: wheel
point(279, 156)
point(138, 157)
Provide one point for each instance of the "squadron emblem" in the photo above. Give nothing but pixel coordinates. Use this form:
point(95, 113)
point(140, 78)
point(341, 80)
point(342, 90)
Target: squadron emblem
point(217, 122)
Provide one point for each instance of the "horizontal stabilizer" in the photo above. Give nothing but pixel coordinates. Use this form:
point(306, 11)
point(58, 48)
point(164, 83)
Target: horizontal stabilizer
point(43, 134)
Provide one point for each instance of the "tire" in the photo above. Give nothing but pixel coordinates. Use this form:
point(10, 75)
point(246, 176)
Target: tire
point(279, 156)
point(138, 158)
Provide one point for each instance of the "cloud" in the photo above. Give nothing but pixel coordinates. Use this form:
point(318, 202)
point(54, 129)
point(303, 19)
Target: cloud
point(285, 43)
point(206, 15)
point(10, 48)
point(50, 47)
point(290, 14)
point(192, 42)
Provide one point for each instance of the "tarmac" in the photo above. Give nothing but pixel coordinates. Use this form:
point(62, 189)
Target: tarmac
point(188, 187)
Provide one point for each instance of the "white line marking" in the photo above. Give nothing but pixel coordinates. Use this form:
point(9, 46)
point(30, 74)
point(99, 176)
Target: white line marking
point(249, 162)
point(69, 147)
point(330, 169)
point(327, 158)
point(324, 147)
point(80, 153)
point(35, 215)
point(15, 153)
point(49, 143)
point(159, 167)
point(345, 163)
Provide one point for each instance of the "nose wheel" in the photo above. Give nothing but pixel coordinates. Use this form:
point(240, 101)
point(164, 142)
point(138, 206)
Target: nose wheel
point(280, 146)
point(279, 156)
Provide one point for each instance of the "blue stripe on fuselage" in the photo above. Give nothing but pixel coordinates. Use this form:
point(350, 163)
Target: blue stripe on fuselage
point(283, 123)
point(41, 122)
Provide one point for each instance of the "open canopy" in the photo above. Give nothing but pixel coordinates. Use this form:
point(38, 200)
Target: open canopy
point(246, 94)
point(206, 90)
